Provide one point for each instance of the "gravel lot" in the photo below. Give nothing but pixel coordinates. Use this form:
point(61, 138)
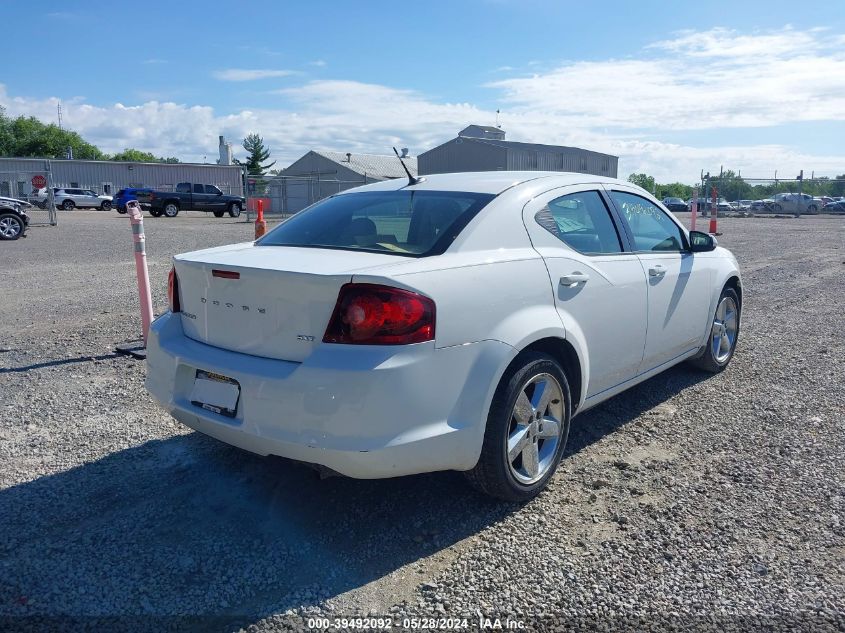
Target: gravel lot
point(690, 501)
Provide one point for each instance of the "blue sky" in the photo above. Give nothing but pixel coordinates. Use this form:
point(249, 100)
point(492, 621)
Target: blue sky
point(671, 87)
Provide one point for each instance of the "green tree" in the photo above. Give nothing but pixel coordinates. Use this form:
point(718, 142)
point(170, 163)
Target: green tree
point(254, 144)
point(29, 137)
point(643, 180)
point(135, 156)
point(674, 190)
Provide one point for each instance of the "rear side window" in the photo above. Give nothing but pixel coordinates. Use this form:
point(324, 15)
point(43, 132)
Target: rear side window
point(183, 187)
point(582, 221)
point(407, 223)
point(199, 188)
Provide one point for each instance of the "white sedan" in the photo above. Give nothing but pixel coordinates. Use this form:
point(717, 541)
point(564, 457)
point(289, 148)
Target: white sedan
point(455, 323)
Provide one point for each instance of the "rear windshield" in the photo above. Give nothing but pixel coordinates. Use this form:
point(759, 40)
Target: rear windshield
point(408, 223)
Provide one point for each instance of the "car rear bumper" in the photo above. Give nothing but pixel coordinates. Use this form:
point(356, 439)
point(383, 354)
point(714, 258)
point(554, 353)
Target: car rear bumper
point(363, 411)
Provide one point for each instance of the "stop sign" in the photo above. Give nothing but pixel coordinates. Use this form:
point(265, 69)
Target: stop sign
point(39, 182)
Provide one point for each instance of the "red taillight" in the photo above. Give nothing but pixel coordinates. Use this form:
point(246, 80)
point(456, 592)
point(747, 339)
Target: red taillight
point(173, 291)
point(225, 274)
point(368, 314)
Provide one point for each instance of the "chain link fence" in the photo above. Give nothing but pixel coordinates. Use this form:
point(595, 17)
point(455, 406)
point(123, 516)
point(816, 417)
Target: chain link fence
point(34, 187)
point(283, 196)
point(790, 196)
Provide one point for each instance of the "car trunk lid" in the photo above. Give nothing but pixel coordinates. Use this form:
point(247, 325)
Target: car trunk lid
point(269, 301)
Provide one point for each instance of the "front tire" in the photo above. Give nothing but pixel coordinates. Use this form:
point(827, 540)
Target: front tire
point(234, 210)
point(724, 334)
point(121, 210)
point(171, 210)
point(527, 428)
point(11, 226)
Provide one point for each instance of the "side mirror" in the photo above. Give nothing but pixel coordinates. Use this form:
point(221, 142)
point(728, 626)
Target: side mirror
point(701, 242)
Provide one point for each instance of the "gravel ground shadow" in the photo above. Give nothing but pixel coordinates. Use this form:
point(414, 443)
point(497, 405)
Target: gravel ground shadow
point(604, 419)
point(184, 527)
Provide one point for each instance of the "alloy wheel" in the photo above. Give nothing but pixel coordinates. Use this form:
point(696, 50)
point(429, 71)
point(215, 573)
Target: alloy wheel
point(725, 326)
point(9, 227)
point(535, 428)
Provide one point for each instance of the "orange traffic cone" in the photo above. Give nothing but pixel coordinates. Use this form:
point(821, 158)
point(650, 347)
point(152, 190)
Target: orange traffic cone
point(260, 224)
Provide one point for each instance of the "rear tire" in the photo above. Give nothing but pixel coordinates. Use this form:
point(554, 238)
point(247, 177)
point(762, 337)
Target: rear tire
point(723, 335)
point(67, 205)
point(234, 210)
point(526, 432)
point(106, 205)
point(171, 210)
point(218, 214)
point(11, 226)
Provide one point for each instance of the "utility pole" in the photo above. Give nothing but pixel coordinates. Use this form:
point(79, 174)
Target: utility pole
point(59, 111)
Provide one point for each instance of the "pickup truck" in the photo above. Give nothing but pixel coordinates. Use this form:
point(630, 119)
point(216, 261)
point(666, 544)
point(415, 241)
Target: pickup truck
point(190, 197)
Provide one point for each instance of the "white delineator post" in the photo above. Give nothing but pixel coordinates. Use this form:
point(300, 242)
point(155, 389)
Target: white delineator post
point(694, 209)
point(136, 219)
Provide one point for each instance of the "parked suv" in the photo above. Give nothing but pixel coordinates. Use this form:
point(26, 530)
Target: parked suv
point(68, 198)
point(795, 203)
point(125, 195)
point(13, 218)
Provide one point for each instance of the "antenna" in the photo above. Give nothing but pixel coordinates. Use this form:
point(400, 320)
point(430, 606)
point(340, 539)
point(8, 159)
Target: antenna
point(411, 179)
point(59, 111)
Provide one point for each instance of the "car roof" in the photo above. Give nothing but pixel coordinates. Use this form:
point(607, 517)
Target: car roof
point(494, 182)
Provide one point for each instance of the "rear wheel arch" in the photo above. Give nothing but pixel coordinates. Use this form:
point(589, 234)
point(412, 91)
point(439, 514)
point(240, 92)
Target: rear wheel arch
point(564, 353)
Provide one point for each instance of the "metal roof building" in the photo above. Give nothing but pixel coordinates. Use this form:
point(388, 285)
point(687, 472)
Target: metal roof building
point(107, 177)
point(483, 148)
point(319, 174)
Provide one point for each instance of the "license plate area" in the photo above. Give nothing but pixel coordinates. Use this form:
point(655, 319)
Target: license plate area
point(216, 393)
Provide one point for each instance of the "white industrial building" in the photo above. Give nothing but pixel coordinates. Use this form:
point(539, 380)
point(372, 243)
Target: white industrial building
point(484, 148)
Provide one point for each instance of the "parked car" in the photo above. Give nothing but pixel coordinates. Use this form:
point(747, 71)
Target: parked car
point(68, 198)
point(191, 197)
point(125, 195)
point(823, 200)
point(745, 205)
point(675, 205)
point(704, 204)
point(407, 327)
point(794, 203)
point(13, 218)
point(763, 206)
point(834, 207)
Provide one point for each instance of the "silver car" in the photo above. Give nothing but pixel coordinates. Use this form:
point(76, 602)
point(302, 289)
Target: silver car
point(795, 203)
point(68, 198)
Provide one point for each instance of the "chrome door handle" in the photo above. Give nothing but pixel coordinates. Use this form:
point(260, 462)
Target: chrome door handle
point(574, 278)
point(657, 270)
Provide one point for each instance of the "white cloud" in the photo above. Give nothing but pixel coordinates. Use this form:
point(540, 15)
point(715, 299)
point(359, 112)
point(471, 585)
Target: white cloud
point(243, 74)
point(319, 62)
point(716, 79)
